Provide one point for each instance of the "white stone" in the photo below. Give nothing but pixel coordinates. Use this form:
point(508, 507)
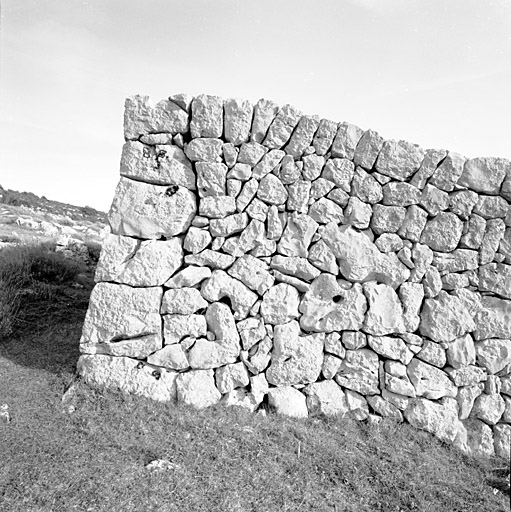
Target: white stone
point(411, 296)
point(264, 113)
point(149, 211)
point(282, 126)
point(357, 213)
point(493, 319)
point(217, 207)
point(302, 136)
point(339, 171)
point(207, 116)
point(387, 219)
point(413, 224)
point(220, 285)
point(297, 235)
point(484, 175)
point(295, 359)
point(258, 210)
point(271, 190)
point(496, 278)
point(466, 397)
point(494, 354)
point(182, 301)
point(288, 401)
point(359, 372)
point(324, 136)
point(231, 376)
point(443, 232)
point(138, 263)
point(327, 307)
point(129, 376)
point(297, 267)
point(230, 154)
point(384, 408)
point(312, 166)
point(280, 304)
point(391, 348)
point(502, 441)
point(119, 312)
point(466, 375)
point(474, 438)
point(365, 187)
point(434, 200)
point(274, 224)
point(367, 150)
point(432, 353)
point(196, 240)
point(160, 165)
point(251, 154)
point(448, 172)
point(399, 159)
point(429, 381)
point(251, 332)
point(331, 366)
point(268, 163)
point(322, 257)
point(170, 356)
point(326, 398)
point(229, 225)
point(346, 140)
point(237, 120)
point(488, 408)
point(298, 196)
point(211, 178)
point(462, 202)
point(204, 149)
point(253, 273)
point(353, 340)
point(428, 166)
point(388, 242)
point(197, 388)
point(385, 312)
point(209, 258)
point(177, 327)
point(461, 351)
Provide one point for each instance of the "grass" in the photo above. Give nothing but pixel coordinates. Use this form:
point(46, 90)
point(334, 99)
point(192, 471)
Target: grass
point(89, 453)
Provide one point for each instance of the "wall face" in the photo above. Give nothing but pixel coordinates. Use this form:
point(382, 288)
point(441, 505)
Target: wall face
point(261, 254)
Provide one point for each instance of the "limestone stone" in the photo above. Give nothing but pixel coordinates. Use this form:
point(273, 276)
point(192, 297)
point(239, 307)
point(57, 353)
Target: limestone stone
point(324, 211)
point(229, 225)
point(496, 278)
point(474, 438)
point(160, 165)
point(320, 188)
point(506, 417)
point(422, 257)
point(455, 281)
point(258, 210)
point(230, 154)
point(359, 259)
point(443, 232)
point(505, 246)
point(399, 159)
point(429, 381)
point(312, 166)
point(295, 359)
point(333, 345)
point(200, 222)
point(432, 353)
point(297, 235)
point(399, 401)
point(387, 219)
point(413, 224)
point(326, 398)
point(282, 127)
point(250, 238)
point(324, 136)
point(224, 349)
point(240, 171)
point(331, 365)
point(298, 196)
point(196, 240)
point(231, 376)
point(458, 260)
point(302, 136)
point(240, 398)
point(365, 187)
point(494, 319)
point(327, 307)
point(391, 348)
point(253, 273)
point(494, 354)
point(207, 116)
point(260, 358)
point(357, 213)
point(217, 207)
point(288, 170)
point(505, 382)
point(237, 120)
point(359, 372)
point(484, 175)
point(385, 312)
point(280, 304)
point(264, 249)
point(387, 242)
point(251, 332)
point(170, 356)
point(357, 404)
point(339, 171)
point(461, 351)
point(466, 375)
point(149, 211)
point(322, 257)
point(466, 397)
point(400, 194)
point(209, 258)
point(384, 408)
point(434, 200)
point(204, 149)
point(474, 232)
point(177, 327)
point(197, 388)
point(488, 408)
point(138, 348)
point(367, 150)
point(188, 277)
point(247, 193)
point(432, 158)
point(119, 312)
point(129, 376)
point(211, 178)
point(297, 267)
point(438, 418)
point(339, 196)
point(354, 340)
point(502, 440)
point(268, 163)
point(396, 379)
point(141, 117)
point(448, 172)
point(462, 202)
point(449, 316)
point(346, 140)
point(264, 113)
point(411, 296)
point(182, 301)
point(221, 285)
point(274, 225)
point(491, 207)
point(271, 190)
point(288, 401)
point(493, 234)
point(138, 263)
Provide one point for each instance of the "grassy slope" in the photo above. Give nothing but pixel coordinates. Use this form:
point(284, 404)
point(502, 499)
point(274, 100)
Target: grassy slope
point(94, 458)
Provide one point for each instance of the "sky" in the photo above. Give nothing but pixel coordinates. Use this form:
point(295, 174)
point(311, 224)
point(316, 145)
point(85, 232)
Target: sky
point(432, 72)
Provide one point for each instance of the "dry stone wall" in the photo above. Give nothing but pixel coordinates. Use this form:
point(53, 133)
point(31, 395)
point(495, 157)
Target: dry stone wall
point(261, 255)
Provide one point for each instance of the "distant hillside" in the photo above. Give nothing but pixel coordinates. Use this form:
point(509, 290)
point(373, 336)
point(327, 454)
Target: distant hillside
point(44, 205)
